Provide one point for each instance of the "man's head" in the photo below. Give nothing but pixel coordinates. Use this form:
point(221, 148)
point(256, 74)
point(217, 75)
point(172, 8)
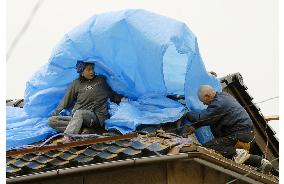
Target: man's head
point(85, 69)
point(206, 94)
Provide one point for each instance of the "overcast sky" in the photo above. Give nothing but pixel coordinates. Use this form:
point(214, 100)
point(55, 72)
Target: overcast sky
point(234, 36)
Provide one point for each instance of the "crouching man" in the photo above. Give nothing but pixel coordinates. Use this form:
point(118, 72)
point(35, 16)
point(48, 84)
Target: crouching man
point(230, 125)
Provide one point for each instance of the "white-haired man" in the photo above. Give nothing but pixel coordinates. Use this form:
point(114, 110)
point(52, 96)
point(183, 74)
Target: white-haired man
point(230, 125)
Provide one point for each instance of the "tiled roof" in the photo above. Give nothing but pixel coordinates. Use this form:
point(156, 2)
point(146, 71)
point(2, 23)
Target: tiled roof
point(144, 146)
point(141, 149)
point(33, 161)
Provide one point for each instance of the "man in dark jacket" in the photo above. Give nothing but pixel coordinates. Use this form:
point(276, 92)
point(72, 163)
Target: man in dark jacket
point(89, 94)
point(230, 125)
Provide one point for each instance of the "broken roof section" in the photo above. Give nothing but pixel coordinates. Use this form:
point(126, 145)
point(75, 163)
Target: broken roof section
point(128, 152)
point(144, 56)
point(53, 161)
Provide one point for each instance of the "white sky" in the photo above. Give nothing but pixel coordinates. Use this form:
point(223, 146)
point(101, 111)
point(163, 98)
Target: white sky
point(234, 36)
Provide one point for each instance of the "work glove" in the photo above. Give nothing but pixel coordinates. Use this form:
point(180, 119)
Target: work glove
point(55, 113)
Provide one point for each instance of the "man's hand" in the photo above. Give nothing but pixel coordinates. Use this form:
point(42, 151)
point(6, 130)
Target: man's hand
point(188, 130)
point(116, 98)
point(54, 113)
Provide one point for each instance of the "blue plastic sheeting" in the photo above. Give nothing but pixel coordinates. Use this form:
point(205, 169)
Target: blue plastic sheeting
point(22, 130)
point(147, 111)
point(144, 57)
point(196, 75)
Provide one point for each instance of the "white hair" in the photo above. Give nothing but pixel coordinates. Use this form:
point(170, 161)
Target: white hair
point(205, 90)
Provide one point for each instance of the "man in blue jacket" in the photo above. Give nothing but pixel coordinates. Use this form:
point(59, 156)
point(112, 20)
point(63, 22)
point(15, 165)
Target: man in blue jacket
point(230, 125)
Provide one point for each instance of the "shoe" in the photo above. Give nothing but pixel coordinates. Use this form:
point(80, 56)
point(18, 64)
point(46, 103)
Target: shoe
point(241, 156)
point(265, 166)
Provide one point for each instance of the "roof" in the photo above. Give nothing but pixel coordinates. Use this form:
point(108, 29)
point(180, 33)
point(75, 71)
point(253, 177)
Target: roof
point(90, 151)
point(143, 148)
point(115, 151)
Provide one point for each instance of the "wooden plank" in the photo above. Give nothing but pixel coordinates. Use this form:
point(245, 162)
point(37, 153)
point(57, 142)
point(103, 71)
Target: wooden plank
point(272, 117)
point(71, 144)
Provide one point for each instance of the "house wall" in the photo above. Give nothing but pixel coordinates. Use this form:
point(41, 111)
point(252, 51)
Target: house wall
point(178, 172)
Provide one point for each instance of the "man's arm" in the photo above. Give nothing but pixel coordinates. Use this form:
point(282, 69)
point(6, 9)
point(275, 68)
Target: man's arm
point(67, 99)
point(209, 116)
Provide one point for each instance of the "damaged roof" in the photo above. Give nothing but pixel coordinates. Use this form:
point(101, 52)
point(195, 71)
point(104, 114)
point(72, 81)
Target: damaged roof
point(72, 158)
point(91, 151)
point(82, 152)
point(140, 147)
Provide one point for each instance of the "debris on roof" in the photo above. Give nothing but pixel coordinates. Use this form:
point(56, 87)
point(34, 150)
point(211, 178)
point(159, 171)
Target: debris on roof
point(159, 144)
point(137, 148)
point(167, 50)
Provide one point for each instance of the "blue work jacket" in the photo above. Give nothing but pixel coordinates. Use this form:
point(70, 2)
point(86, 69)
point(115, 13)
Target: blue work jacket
point(224, 115)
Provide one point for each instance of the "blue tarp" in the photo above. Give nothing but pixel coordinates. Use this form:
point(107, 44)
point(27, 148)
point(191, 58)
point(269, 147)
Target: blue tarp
point(144, 57)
